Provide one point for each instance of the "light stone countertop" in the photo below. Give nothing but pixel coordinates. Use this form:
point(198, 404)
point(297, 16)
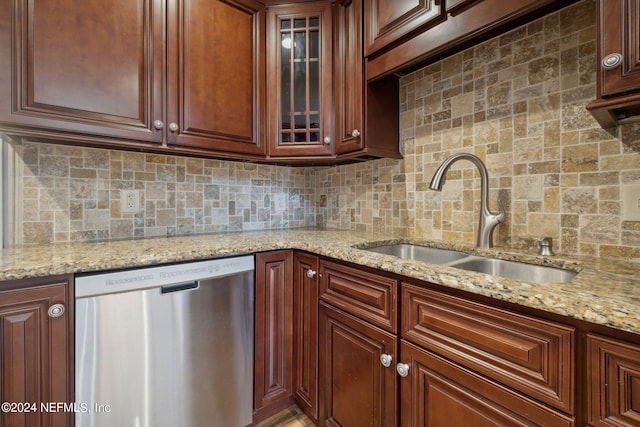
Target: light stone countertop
point(605, 291)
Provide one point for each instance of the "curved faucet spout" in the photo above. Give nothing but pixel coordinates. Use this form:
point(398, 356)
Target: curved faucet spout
point(488, 221)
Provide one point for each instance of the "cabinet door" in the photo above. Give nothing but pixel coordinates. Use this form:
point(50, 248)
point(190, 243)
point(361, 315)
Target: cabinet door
point(299, 88)
point(215, 64)
point(305, 332)
point(358, 389)
point(388, 21)
point(614, 382)
point(36, 354)
point(349, 77)
point(619, 28)
point(82, 69)
point(274, 335)
point(438, 393)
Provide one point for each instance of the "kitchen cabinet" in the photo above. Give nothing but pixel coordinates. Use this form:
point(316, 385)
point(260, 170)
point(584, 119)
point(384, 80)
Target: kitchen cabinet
point(37, 351)
point(357, 371)
point(299, 85)
point(141, 75)
point(614, 381)
point(273, 333)
point(407, 34)
point(305, 333)
point(366, 115)
point(618, 84)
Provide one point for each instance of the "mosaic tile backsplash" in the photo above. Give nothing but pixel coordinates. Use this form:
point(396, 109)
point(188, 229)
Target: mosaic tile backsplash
point(517, 101)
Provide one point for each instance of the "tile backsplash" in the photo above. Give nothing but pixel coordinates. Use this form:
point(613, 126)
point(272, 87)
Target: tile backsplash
point(517, 101)
point(73, 194)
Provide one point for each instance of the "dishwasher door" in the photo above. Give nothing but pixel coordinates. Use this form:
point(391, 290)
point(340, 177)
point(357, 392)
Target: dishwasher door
point(166, 346)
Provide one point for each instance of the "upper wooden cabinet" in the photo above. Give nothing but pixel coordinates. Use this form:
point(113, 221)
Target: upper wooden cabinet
point(390, 20)
point(618, 84)
point(98, 72)
point(403, 34)
point(36, 336)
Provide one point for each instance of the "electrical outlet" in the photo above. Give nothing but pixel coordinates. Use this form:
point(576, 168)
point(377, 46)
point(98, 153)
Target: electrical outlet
point(129, 201)
point(280, 202)
point(631, 202)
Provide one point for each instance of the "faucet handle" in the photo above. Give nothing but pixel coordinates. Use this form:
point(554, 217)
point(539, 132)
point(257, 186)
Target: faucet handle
point(545, 245)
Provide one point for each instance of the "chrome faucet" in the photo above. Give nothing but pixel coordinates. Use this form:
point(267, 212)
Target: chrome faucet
point(488, 220)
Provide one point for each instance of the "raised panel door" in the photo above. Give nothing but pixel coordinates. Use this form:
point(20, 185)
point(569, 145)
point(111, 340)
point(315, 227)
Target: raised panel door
point(273, 330)
point(357, 389)
point(35, 361)
point(305, 332)
point(619, 22)
point(438, 393)
point(78, 69)
point(614, 382)
point(388, 21)
point(215, 96)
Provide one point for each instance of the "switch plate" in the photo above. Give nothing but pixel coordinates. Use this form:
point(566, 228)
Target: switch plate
point(631, 202)
point(129, 201)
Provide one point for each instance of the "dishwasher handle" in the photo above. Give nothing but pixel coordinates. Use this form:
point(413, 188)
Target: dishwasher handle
point(195, 284)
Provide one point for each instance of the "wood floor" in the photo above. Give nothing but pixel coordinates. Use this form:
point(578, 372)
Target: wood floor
point(290, 417)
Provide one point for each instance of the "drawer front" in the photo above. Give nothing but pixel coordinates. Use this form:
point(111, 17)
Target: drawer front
point(527, 354)
point(365, 295)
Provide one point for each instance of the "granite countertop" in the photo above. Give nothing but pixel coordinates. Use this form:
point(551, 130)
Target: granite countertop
point(603, 292)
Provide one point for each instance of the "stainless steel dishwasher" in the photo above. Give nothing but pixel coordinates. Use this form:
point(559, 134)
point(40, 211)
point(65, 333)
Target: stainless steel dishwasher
point(166, 346)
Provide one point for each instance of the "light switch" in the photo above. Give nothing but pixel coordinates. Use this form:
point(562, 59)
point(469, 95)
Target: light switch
point(631, 202)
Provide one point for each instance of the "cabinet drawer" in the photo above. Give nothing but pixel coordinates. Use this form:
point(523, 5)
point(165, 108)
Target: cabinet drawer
point(366, 295)
point(531, 355)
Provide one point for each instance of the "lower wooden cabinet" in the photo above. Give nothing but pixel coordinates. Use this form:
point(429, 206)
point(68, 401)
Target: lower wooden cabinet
point(357, 389)
point(273, 333)
point(613, 382)
point(36, 348)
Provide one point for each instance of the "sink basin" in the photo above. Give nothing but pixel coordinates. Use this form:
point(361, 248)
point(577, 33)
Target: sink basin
point(515, 270)
point(497, 267)
point(419, 253)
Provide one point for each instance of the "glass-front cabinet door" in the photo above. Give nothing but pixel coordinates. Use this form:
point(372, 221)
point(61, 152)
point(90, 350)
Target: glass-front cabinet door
point(299, 80)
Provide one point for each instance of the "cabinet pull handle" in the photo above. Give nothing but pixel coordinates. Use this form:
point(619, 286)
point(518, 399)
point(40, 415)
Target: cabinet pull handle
point(327, 140)
point(56, 310)
point(611, 61)
point(402, 369)
point(158, 124)
point(310, 274)
point(386, 359)
point(355, 133)
point(173, 127)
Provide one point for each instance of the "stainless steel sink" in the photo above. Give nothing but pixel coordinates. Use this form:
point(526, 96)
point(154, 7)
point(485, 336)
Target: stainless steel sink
point(515, 270)
point(419, 253)
point(497, 267)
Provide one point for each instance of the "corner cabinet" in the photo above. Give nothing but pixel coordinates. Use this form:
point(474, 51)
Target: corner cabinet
point(618, 84)
point(153, 74)
point(36, 360)
point(319, 107)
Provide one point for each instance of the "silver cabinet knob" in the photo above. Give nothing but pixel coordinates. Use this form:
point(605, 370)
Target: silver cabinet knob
point(311, 274)
point(56, 310)
point(173, 127)
point(611, 61)
point(386, 359)
point(158, 124)
point(327, 140)
point(402, 369)
point(355, 133)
